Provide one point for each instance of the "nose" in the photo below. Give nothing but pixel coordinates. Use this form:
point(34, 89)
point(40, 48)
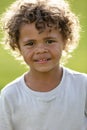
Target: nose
point(41, 48)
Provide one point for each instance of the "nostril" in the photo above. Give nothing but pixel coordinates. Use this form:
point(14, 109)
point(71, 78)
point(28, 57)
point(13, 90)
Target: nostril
point(41, 50)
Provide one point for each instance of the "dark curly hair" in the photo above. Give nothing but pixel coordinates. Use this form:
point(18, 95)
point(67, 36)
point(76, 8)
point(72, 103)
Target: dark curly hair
point(56, 15)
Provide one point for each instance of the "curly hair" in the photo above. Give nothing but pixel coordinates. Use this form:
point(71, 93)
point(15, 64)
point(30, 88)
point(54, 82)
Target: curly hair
point(54, 14)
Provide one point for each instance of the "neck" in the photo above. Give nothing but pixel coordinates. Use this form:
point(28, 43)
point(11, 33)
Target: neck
point(43, 81)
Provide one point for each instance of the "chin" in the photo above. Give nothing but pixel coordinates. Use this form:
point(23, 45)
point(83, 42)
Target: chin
point(44, 70)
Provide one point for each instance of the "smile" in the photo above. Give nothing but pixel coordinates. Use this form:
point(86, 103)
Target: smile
point(42, 60)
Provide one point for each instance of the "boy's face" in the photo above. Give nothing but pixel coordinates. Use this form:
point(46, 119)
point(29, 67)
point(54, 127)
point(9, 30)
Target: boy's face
point(42, 52)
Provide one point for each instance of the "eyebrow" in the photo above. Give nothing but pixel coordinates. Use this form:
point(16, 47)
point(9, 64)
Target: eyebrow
point(49, 38)
point(46, 38)
point(24, 41)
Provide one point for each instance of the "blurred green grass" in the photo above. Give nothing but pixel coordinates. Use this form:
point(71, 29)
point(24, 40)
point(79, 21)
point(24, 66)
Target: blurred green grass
point(79, 59)
point(11, 68)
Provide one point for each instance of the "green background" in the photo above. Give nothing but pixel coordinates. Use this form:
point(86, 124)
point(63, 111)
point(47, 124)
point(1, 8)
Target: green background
point(11, 68)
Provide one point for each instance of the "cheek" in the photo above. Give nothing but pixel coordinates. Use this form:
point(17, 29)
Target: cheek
point(57, 50)
point(26, 54)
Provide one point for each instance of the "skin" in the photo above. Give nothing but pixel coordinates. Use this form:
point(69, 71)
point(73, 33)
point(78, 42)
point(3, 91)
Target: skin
point(42, 52)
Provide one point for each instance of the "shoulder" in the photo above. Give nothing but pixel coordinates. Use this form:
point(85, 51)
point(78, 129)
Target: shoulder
point(12, 88)
point(75, 76)
point(73, 73)
point(75, 83)
point(12, 94)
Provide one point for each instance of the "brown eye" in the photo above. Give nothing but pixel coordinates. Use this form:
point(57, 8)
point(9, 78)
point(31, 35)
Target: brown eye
point(30, 43)
point(50, 41)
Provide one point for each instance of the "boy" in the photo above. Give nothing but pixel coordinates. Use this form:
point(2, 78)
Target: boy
point(48, 96)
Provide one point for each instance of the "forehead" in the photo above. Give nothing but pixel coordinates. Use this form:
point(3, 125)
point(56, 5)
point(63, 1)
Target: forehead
point(31, 31)
point(32, 28)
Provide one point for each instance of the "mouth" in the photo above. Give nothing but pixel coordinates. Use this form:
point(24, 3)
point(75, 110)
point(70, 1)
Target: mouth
point(42, 60)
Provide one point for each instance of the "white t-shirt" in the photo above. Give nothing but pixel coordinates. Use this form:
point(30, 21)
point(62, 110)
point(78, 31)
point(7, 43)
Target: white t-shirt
point(63, 108)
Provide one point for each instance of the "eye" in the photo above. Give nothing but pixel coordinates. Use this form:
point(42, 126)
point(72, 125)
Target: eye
point(29, 43)
point(50, 41)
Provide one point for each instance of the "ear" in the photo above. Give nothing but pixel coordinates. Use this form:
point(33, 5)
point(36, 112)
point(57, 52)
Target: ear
point(19, 48)
point(20, 51)
point(64, 45)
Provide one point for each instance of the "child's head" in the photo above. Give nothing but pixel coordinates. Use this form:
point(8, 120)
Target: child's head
point(54, 14)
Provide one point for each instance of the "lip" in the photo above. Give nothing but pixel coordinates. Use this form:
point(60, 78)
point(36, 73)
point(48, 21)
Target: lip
point(42, 61)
